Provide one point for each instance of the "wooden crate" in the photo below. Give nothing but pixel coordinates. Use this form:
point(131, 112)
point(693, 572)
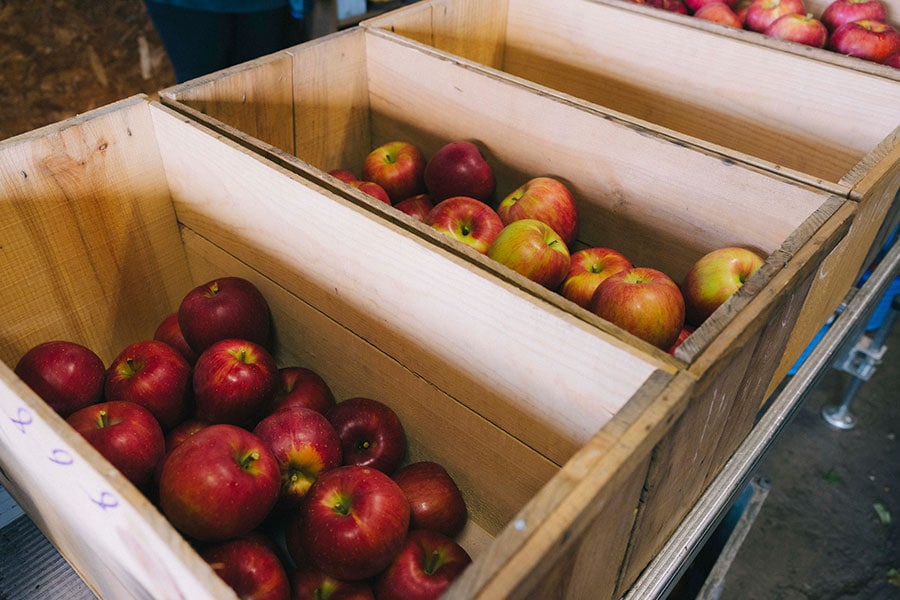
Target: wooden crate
point(325, 104)
point(823, 122)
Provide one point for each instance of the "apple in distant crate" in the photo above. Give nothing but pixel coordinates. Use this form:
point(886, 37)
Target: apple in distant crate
point(66, 375)
point(417, 206)
point(839, 12)
point(644, 302)
point(546, 199)
point(695, 5)
point(587, 268)
point(345, 175)
point(227, 307)
point(721, 13)
point(372, 189)
point(740, 9)
point(424, 568)
point(302, 386)
point(310, 583)
point(467, 220)
point(435, 501)
point(676, 6)
point(398, 167)
point(459, 169)
point(761, 13)
point(893, 60)
point(126, 434)
point(371, 433)
point(305, 445)
point(220, 483)
point(156, 376)
point(250, 565)
point(235, 381)
point(802, 29)
point(533, 249)
point(169, 331)
point(686, 332)
point(870, 40)
point(714, 278)
point(354, 522)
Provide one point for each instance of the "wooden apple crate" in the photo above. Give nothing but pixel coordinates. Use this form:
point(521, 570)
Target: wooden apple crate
point(824, 123)
point(325, 104)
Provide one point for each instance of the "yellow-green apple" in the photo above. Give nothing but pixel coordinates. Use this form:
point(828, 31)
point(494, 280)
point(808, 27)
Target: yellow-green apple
point(587, 268)
point(870, 40)
point(372, 189)
point(644, 302)
point(66, 375)
point(546, 199)
point(714, 278)
point(719, 12)
point(426, 565)
point(169, 331)
point(156, 376)
point(227, 307)
point(310, 583)
point(398, 167)
point(435, 501)
point(345, 175)
point(695, 5)
point(305, 445)
point(459, 169)
point(371, 433)
point(533, 249)
point(417, 206)
point(839, 12)
point(302, 386)
point(760, 13)
point(235, 381)
point(250, 565)
point(799, 28)
point(467, 220)
point(220, 483)
point(354, 522)
point(126, 434)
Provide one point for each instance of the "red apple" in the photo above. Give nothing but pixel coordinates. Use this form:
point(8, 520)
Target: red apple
point(65, 375)
point(301, 386)
point(169, 331)
point(345, 175)
point(870, 40)
point(250, 565)
point(695, 5)
point(686, 332)
point(219, 483)
point(531, 248)
point(372, 189)
point(802, 29)
point(424, 568)
point(719, 12)
point(227, 307)
point(761, 13)
point(126, 434)
point(676, 6)
point(740, 9)
point(355, 520)
point(398, 167)
point(839, 12)
point(588, 267)
point(644, 302)
point(893, 60)
point(714, 278)
point(183, 431)
point(235, 382)
point(310, 583)
point(459, 169)
point(156, 376)
point(417, 206)
point(466, 220)
point(305, 445)
point(371, 433)
point(435, 501)
point(545, 199)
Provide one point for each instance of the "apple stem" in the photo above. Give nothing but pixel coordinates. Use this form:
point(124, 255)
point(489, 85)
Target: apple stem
point(433, 562)
point(248, 459)
point(103, 418)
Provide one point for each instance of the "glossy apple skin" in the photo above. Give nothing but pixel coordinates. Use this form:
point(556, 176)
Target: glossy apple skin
point(532, 249)
point(219, 483)
point(644, 302)
point(305, 445)
point(467, 220)
point(371, 433)
point(459, 169)
point(417, 206)
point(588, 267)
point(398, 167)
point(721, 13)
point(802, 29)
point(234, 382)
point(156, 376)
point(714, 278)
point(355, 520)
point(546, 199)
point(309, 583)
point(372, 189)
point(435, 501)
point(169, 331)
point(869, 40)
point(66, 375)
point(839, 12)
point(302, 386)
point(227, 307)
point(761, 13)
point(250, 566)
point(126, 434)
point(424, 568)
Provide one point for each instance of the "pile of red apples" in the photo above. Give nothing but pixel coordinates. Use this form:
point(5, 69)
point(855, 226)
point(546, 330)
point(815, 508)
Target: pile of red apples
point(533, 231)
point(859, 28)
point(287, 493)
